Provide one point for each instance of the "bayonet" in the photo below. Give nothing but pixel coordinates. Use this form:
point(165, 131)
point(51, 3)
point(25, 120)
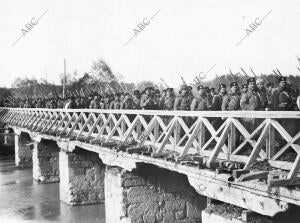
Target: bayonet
point(183, 81)
point(247, 76)
point(164, 82)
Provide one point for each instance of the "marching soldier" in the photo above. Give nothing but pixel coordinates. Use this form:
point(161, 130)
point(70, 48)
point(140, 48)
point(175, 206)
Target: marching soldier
point(218, 99)
point(95, 103)
point(162, 99)
point(60, 103)
point(27, 104)
point(190, 93)
point(147, 101)
point(200, 103)
point(71, 103)
point(270, 88)
point(212, 92)
point(116, 103)
point(231, 101)
point(244, 88)
point(127, 102)
point(39, 103)
point(210, 95)
point(157, 100)
point(250, 100)
point(107, 101)
point(183, 100)
point(102, 103)
point(50, 104)
point(136, 102)
point(281, 98)
point(78, 103)
point(262, 93)
point(169, 100)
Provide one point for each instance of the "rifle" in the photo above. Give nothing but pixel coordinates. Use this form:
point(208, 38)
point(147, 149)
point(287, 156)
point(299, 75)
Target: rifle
point(253, 72)
point(164, 82)
point(183, 81)
point(87, 91)
point(279, 72)
point(232, 75)
point(82, 93)
point(196, 80)
point(244, 72)
point(241, 76)
point(276, 73)
point(199, 81)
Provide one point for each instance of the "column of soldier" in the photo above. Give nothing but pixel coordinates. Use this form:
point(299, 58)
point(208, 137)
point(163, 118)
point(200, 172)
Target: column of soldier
point(254, 94)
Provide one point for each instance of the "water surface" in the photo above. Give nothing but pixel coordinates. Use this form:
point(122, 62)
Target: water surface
point(24, 200)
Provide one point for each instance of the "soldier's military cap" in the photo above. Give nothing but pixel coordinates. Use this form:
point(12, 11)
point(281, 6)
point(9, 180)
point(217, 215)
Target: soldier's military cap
point(157, 91)
point(259, 80)
point(222, 85)
point(136, 92)
point(183, 87)
point(282, 79)
point(232, 84)
point(250, 80)
point(170, 89)
point(199, 87)
point(244, 86)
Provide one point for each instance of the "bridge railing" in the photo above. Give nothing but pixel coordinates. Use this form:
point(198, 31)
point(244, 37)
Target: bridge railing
point(240, 136)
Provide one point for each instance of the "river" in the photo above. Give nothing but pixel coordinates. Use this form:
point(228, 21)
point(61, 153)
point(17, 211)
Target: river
point(24, 200)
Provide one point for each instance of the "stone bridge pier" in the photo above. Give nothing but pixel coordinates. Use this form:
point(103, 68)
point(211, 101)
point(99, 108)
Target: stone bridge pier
point(81, 177)
point(150, 194)
point(45, 159)
point(23, 150)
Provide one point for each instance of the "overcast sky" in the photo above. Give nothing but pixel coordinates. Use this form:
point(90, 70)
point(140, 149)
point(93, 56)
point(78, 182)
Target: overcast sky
point(184, 38)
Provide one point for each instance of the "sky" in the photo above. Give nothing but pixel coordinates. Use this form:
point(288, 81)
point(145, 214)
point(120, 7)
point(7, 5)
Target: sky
point(183, 38)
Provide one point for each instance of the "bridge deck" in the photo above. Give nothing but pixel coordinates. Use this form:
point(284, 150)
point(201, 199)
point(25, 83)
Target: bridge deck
point(211, 148)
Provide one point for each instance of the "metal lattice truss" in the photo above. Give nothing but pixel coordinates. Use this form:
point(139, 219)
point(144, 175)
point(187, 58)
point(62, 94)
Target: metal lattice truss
point(243, 137)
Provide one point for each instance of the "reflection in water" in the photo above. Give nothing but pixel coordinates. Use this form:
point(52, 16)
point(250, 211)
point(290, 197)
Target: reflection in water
point(24, 200)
